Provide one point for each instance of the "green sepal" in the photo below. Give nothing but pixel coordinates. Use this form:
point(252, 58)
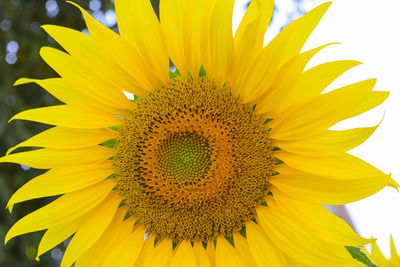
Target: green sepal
point(202, 72)
point(109, 143)
point(357, 254)
point(174, 75)
point(114, 128)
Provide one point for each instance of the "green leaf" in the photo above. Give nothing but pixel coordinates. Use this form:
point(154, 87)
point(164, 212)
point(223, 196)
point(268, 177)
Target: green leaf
point(357, 254)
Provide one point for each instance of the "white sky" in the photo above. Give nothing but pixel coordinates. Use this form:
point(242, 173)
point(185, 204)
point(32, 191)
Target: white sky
point(369, 32)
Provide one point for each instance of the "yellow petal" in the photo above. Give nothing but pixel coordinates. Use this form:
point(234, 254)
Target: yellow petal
point(263, 250)
point(47, 158)
point(117, 231)
point(147, 252)
point(395, 258)
point(293, 238)
point(60, 181)
point(182, 23)
point(201, 256)
point(55, 235)
point(70, 116)
point(66, 93)
point(343, 166)
point(249, 37)
point(159, 256)
point(321, 113)
point(91, 83)
point(139, 24)
point(124, 55)
point(374, 98)
point(184, 255)
point(221, 42)
point(377, 255)
point(282, 48)
point(84, 260)
point(285, 80)
point(320, 221)
point(91, 229)
point(125, 252)
point(67, 138)
point(210, 250)
point(226, 255)
point(328, 143)
point(85, 50)
point(327, 191)
point(313, 81)
point(64, 209)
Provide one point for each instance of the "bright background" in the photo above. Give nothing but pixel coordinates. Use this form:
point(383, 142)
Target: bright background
point(369, 32)
point(367, 29)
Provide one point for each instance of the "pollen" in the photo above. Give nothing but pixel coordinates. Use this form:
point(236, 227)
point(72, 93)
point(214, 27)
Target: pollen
point(192, 162)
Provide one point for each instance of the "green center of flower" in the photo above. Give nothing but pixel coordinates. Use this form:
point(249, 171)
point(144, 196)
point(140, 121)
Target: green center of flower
point(185, 156)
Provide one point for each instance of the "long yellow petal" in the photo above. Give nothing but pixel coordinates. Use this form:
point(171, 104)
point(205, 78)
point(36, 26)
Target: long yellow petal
point(147, 252)
point(263, 250)
point(321, 113)
point(249, 38)
point(64, 209)
point(91, 83)
point(375, 98)
point(221, 42)
point(60, 181)
point(70, 116)
point(313, 81)
point(84, 259)
point(293, 238)
point(344, 166)
point(47, 158)
point(133, 17)
point(184, 255)
point(395, 258)
point(83, 48)
point(284, 82)
point(201, 255)
point(66, 93)
point(117, 231)
point(55, 235)
point(226, 255)
point(91, 229)
point(123, 54)
point(320, 221)
point(125, 253)
point(282, 48)
point(67, 138)
point(242, 246)
point(377, 255)
point(182, 23)
point(160, 255)
point(328, 143)
point(327, 191)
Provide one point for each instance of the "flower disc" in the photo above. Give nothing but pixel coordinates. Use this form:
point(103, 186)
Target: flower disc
point(192, 162)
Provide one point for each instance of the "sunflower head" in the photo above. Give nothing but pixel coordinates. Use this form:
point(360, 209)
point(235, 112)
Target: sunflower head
point(226, 162)
point(192, 162)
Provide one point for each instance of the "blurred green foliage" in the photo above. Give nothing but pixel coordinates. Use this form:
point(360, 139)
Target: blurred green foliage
point(20, 21)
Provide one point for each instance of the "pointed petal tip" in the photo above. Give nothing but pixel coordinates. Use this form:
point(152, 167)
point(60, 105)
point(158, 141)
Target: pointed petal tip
point(22, 81)
point(393, 183)
point(10, 205)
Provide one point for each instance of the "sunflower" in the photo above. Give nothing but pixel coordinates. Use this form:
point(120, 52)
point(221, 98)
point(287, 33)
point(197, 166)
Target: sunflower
point(226, 161)
point(377, 257)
